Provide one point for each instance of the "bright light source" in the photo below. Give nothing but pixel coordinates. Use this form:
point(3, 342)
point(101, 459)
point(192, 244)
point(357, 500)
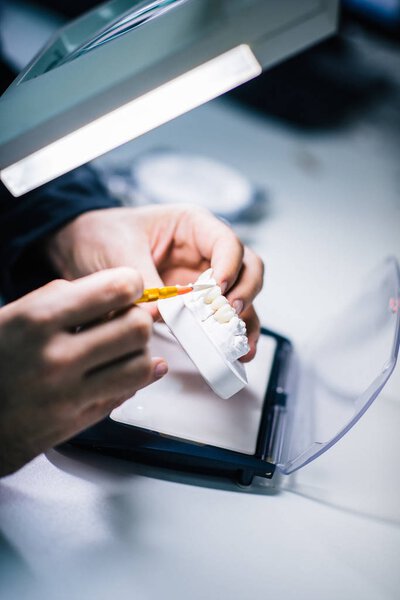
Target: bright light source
point(204, 83)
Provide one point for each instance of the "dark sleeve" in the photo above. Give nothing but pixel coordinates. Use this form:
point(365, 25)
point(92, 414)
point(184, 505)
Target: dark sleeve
point(25, 222)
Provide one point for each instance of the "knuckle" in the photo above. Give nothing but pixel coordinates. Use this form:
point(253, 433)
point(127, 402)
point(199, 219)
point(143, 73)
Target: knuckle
point(140, 372)
point(142, 324)
point(241, 249)
point(192, 212)
point(146, 368)
point(56, 357)
point(126, 286)
point(44, 307)
point(35, 319)
point(57, 285)
point(42, 316)
point(261, 269)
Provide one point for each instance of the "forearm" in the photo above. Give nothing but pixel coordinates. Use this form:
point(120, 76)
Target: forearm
point(26, 222)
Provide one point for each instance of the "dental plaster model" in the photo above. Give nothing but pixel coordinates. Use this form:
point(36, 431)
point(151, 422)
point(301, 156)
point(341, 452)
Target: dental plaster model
point(217, 317)
point(211, 333)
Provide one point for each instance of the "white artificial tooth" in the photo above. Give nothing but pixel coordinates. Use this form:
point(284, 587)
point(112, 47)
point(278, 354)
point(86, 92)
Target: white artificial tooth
point(241, 341)
point(234, 322)
point(218, 302)
point(212, 294)
point(206, 314)
point(232, 314)
point(217, 317)
point(242, 327)
point(224, 314)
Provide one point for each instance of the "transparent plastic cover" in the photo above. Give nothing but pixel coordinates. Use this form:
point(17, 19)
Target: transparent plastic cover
point(138, 14)
point(344, 371)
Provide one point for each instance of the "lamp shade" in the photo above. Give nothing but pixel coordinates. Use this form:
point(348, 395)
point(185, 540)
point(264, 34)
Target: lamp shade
point(127, 67)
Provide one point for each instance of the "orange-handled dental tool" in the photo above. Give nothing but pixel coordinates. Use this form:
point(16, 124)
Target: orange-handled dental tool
point(154, 294)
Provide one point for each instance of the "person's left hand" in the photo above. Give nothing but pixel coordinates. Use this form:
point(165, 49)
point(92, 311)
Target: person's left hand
point(167, 245)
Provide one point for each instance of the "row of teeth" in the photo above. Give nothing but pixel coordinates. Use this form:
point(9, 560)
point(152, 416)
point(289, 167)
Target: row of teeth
point(222, 310)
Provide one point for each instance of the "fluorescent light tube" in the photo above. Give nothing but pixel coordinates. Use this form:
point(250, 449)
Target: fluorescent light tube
point(178, 96)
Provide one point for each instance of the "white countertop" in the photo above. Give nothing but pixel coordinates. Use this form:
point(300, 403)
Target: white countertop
point(82, 526)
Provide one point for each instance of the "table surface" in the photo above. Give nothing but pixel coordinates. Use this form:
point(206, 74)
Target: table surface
point(77, 525)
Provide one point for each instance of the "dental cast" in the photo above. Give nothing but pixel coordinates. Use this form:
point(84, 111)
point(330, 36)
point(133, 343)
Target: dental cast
point(217, 317)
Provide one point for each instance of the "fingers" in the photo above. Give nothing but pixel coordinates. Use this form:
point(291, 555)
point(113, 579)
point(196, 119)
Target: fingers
point(101, 404)
point(107, 342)
point(136, 253)
point(151, 308)
point(124, 378)
point(253, 332)
point(237, 269)
point(95, 413)
point(249, 283)
point(221, 247)
point(91, 414)
point(90, 298)
point(147, 268)
point(152, 280)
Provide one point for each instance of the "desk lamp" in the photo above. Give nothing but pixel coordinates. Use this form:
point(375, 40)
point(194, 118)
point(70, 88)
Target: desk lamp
point(128, 66)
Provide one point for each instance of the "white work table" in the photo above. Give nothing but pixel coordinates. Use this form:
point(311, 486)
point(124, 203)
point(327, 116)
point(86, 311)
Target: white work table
point(78, 525)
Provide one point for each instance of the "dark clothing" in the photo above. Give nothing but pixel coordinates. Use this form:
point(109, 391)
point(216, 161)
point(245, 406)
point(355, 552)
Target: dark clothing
point(68, 8)
point(25, 222)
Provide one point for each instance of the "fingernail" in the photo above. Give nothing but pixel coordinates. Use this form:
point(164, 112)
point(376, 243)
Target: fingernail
point(161, 370)
point(238, 306)
point(224, 287)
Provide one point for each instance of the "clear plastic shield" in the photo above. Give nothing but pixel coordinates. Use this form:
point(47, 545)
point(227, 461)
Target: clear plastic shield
point(344, 371)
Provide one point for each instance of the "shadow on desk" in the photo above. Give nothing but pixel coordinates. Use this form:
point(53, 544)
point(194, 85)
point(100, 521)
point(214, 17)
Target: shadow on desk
point(117, 473)
point(15, 572)
point(359, 476)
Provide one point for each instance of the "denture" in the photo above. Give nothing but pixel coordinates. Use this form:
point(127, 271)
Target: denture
point(217, 317)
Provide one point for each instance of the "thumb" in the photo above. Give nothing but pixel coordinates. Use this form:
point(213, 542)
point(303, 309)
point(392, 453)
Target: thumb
point(151, 279)
point(137, 255)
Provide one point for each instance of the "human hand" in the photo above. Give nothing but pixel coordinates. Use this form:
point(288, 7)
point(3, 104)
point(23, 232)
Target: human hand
point(168, 245)
point(55, 381)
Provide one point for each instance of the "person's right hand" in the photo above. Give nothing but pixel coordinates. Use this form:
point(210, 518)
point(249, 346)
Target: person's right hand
point(63, 366)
